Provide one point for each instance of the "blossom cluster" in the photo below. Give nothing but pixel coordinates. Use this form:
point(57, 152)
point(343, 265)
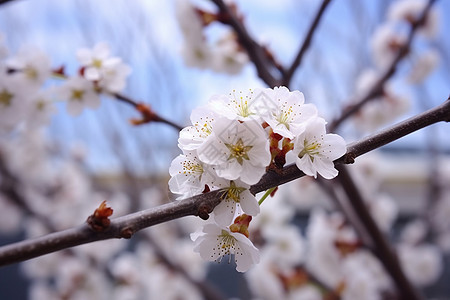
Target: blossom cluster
point(26, 97)
point(225, 55)
point(230, 144)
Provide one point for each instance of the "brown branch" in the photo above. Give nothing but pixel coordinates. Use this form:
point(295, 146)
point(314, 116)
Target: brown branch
point(256, 53)
point(305, 45)
point(380, 246)
point(202, 205)
point(5, 1)
point(377, 88)
point(148, 115)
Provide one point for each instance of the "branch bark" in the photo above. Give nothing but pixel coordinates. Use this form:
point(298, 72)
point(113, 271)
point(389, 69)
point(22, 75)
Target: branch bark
point(379, 246)
point(202, 205)
point(148, 115)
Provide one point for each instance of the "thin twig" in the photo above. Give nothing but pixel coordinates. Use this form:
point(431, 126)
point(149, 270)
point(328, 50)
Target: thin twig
point(305, 45)
point(377, 88)
point(202, 205)
point(148, 114)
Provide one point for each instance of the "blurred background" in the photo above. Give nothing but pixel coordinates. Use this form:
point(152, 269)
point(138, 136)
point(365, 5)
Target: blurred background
point(76, 162)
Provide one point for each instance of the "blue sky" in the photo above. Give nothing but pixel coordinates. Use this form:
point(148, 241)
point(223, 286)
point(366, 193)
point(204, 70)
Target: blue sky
point(145, 34)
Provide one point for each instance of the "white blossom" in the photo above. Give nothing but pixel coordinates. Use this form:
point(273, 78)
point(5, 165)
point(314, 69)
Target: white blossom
point(423, 66)
point(114, 77)
point(14, 100)
point(285, 246)
point(190, 22)
point(414, 232)
point(385, 44)
point(380, 110)
point(109, 72)
point(317, 150)
point(11, 216)
point(305, 292)
point(237, 150)
point(235, 194)
point(94, 60)
point(264, 283)
point(236, 105)
point(190, 175)
point(287, 114)
point(41, 109)
point(411, 10)
point(192, 137)
point(79, 93)
point(422, 264)
point(384, 211)
point(369, 281)
point(30, 65)
point(323, 258)
point(228, 56)
point(215, 242)
point(197, 55)
point(3, 49)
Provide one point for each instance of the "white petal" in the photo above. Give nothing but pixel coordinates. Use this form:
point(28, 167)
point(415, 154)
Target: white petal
point(206, 248)
point(306, 166)
point(249, 204)
point(92, 74)
point(325, 168)
point(84, 56)
point(230, 170)
point(260, 154)
point(334, 146)
point(224, 212)
point(252, 174)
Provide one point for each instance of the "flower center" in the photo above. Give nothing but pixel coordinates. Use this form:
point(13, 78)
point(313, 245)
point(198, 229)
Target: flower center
point(31, 73)
point(242, 107)
point(97, 63)
point(40, 105)
point(5, 98)
point(238, 151)
point(192, 168)
point(233, 192)
point(226, 242)
point(285, 117)
point(77, 95)
point(310, 149)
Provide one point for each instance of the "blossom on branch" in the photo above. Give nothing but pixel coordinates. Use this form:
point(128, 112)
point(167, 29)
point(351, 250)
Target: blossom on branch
point(237, 150)
point(316, 150)
point(190, 175)
point(78, 92)
point(216, 242)
point(224, 56)
point(235, 195)
point(31, 65)
point(108, 72)
point(289, 115)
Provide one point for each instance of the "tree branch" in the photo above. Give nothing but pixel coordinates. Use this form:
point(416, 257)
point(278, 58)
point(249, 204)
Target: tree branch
point(202, 205)
point(377, 88)
point(305, 45)
point(380, 245)
point(148, 115)
point(255, 52)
